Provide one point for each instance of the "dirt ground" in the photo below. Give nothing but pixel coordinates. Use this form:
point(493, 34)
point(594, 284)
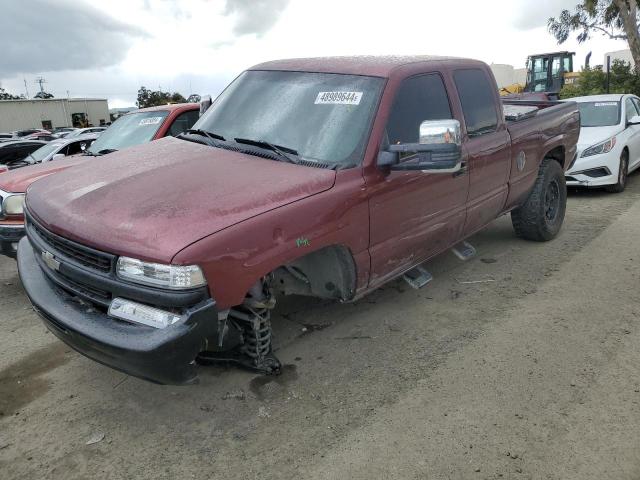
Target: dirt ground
point(530, 371)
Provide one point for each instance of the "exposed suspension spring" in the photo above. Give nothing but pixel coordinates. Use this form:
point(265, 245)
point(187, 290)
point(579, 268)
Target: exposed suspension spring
point(255, 325)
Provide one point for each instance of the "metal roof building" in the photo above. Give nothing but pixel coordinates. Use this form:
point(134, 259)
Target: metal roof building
point(52, 113)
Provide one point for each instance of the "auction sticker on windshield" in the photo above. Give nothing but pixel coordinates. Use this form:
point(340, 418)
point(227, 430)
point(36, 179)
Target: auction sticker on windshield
point(150, 121)
point(606, 104)
point(338, 98)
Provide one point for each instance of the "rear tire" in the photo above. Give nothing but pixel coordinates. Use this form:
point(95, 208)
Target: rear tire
point(623, 171)
point(540, 217)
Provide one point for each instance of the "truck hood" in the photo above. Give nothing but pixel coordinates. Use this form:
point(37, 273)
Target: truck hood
point(153, 200)
point(17, 181)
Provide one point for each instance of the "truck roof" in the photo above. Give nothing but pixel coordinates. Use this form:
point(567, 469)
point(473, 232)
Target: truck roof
point(170, 107)
point(376, 66)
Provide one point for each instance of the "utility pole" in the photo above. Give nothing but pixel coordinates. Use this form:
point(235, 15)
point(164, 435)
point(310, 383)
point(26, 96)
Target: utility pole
point(25, 87)
point(41, 81)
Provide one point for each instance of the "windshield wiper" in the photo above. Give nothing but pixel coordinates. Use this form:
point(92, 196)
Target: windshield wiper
point(99, 153)
point(283, 152)
point(203, 133)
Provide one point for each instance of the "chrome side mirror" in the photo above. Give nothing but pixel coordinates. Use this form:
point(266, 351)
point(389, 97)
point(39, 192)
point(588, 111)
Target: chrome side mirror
point(439, 149)
point(438, 132)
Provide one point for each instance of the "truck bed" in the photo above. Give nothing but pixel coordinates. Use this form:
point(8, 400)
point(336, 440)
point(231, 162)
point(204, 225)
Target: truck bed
point(518, 110)
point(532, 126)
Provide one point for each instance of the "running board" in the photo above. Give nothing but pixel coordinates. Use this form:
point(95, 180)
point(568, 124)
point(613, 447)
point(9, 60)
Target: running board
point(417, 277)
point(464, 251)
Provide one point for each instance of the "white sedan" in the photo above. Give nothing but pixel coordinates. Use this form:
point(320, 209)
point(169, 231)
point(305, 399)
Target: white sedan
point(609, 143)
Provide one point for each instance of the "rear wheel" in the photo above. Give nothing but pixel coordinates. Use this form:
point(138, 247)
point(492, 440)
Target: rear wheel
point(623, 171)
point(541, 216)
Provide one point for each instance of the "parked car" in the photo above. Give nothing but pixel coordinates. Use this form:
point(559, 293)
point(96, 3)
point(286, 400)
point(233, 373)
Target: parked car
point(31, 131)
point(321, 177)
point(58, 130)
point(609, 144)
point(83, 131)
point(134, 128)
point(45, 137)
point(61, 148)
point(13, 154)
point(6, 136)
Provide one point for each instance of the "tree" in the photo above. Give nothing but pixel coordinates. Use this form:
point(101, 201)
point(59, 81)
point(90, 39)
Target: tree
point(43, 95)
point(593, 81)
point(616, 19)
point(150, 98)
point(4, 95)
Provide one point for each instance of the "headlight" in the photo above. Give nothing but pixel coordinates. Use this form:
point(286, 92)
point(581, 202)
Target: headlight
point(158, 275)
point(13, 204)
point(597, 149)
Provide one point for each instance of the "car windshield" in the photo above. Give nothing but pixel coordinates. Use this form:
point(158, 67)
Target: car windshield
point(129, 130)
point(323, 117)
point(44, 151)
point(599, 114)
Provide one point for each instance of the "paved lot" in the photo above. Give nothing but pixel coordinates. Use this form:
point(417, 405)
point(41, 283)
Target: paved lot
point(531, 373)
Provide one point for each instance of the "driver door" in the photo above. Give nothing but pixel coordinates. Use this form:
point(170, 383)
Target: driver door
point(415, 214)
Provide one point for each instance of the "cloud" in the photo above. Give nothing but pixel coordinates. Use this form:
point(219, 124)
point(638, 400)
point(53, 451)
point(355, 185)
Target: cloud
point(533, 14)
point(254, 16)
point(53, 35)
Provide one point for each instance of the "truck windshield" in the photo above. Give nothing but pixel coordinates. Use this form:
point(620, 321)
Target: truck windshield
point(129, 130)
point(599, 114)
point(323, 117)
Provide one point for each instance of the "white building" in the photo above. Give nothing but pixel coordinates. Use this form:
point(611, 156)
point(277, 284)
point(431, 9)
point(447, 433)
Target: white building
point(508, 75)
point(624, 55)
point(52, 113)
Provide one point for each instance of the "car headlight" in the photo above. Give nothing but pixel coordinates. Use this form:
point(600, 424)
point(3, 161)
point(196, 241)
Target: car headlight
point(13, 204)
point(159, 275)
point(598, 148)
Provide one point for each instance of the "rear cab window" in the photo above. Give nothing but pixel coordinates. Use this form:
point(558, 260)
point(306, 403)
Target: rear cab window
point(183, 122)
point(477, 99)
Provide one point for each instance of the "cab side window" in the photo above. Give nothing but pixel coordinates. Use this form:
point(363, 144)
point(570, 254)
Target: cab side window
point(630, 109)
point(76, 147)
point(418, 99)
point(183, 122)
point(477, 98)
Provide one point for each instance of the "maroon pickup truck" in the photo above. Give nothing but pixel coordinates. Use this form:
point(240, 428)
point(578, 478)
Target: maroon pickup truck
point(134, 128)
point(321, 177)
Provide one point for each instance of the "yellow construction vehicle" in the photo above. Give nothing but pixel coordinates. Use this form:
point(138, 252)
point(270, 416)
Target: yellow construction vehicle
point(546, 73)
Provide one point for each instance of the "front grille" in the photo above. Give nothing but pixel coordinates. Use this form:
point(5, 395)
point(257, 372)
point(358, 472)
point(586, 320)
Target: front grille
point(96, 295)
point(85, 256)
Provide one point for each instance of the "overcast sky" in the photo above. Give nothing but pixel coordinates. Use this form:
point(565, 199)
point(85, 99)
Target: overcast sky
point(108, 49)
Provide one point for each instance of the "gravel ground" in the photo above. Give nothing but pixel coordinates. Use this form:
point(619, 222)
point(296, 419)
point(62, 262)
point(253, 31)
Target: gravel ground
point(528, 373)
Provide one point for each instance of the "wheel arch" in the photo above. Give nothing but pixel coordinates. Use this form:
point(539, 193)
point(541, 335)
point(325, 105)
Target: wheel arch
point(558, 154)
point(329, 272)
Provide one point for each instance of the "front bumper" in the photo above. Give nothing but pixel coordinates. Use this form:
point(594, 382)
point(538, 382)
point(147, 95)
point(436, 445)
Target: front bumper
point(10, 235)
point(164, 356)
point(594, 171)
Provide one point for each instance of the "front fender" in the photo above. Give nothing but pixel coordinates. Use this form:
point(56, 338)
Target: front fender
point(235, 258)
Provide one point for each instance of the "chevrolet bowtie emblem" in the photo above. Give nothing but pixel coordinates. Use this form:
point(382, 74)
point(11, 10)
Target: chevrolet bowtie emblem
point(50, 260)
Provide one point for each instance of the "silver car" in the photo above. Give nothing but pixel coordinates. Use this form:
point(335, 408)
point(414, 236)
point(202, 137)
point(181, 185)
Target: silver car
point(60, 148)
